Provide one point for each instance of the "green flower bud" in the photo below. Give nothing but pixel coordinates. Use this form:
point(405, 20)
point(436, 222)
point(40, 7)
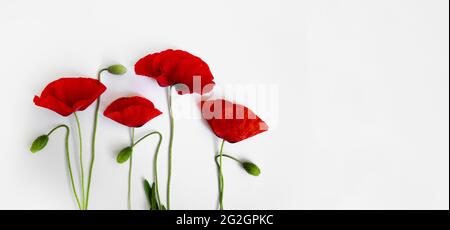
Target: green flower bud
point(39, 143)
point(124, 155)
point(251, 168)
point(117, 69)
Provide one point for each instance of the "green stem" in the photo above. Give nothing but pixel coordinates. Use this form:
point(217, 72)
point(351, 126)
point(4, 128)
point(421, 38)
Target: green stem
point(221, 181)
point(68, 162)
point(81, 161)
point(169, 176)
point(56, 128)
point(231, 157)
point(130, 171)
point(94, 132)
point(155, 165)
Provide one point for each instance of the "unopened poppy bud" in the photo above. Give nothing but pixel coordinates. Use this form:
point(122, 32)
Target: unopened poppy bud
point(117, 69)
point(251, 168)
point(39, 143)
point(124, 155)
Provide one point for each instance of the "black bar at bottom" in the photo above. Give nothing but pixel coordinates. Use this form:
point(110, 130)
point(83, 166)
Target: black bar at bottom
point(214, 219)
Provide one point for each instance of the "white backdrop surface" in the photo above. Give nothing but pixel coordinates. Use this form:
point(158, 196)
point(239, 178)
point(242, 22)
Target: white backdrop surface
point(359, 116)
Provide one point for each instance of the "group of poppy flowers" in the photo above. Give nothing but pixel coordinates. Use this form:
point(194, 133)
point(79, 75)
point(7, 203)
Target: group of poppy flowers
point(176, 69)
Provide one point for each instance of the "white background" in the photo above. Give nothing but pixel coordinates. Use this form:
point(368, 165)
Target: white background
point(361, 118)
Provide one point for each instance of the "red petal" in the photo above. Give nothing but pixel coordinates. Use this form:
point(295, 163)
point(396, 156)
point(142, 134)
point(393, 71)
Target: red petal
point(53, 104)
point(68, 95)
point(232, 122)
point(131, 111)
point(171, 67)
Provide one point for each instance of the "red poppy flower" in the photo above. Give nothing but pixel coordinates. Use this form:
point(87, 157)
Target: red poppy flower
point(232, 122)
point(171, 67)
point(132, 111)
point(68, 95)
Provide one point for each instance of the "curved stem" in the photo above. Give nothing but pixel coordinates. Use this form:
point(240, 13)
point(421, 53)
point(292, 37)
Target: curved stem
point(221, 182)
point(94, 132)
point(155, 165)
point(130, 171)
point(169, 176)
point(57, 127)
point(231, 157)
point(81, 161)
point(69, 165)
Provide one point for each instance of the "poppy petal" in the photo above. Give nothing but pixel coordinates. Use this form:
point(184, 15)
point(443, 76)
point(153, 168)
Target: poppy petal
point(172, 67)
point(232, 122)
point(131, 111)
point(68, 95)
